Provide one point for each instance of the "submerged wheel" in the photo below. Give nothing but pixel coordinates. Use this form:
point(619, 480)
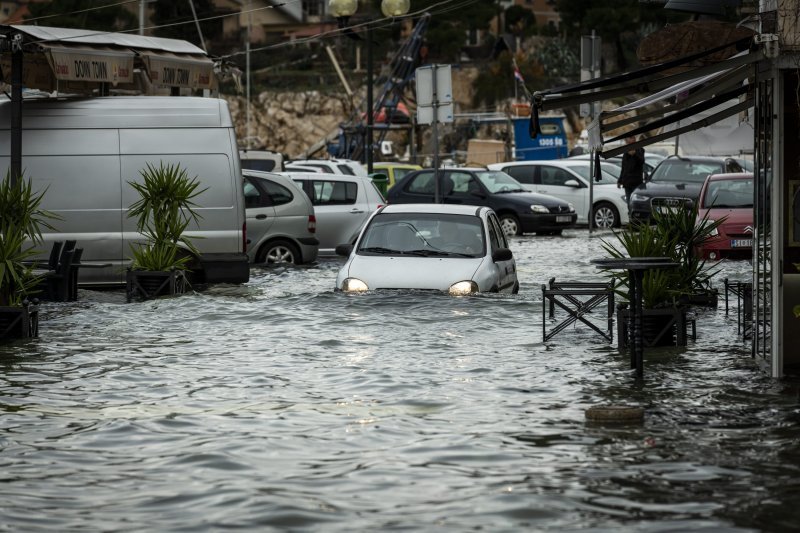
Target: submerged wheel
point(510, 225)
point(606, 216)
point(279, 252)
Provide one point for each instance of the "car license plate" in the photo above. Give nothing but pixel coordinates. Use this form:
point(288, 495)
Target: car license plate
point(741, 243)
point(666, 210)
point(563, 218)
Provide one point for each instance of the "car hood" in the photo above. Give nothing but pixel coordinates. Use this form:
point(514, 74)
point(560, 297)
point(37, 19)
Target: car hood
point(734, 217)
point(529, 198)
point(398, 272)
point(670, 188)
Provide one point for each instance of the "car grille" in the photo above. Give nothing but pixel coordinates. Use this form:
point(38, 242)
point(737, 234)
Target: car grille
point(672, 203)
point(560, 209)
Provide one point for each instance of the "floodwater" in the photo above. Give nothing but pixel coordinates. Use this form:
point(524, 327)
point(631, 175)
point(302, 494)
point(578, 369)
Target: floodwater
point(281, 405)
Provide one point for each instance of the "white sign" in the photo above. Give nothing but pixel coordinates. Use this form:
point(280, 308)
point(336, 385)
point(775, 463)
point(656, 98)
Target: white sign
point(434, 94)
point(173, 71)
point(90, 65)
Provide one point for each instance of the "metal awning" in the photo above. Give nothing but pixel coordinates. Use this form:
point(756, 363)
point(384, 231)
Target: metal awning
point(79, 59)
point(721, 86)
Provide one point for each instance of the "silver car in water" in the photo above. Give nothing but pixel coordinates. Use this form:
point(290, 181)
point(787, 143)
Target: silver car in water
point(281, 226)
point(457, 249)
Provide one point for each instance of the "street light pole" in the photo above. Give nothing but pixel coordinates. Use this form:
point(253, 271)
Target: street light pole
point(370, 115)
point(342, 10)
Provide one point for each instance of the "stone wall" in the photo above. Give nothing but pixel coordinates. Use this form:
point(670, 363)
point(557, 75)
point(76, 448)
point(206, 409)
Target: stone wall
point(292, 122)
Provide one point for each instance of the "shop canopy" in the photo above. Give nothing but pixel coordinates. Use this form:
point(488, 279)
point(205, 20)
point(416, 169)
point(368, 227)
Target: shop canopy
point(75, 59)
point(673, 96)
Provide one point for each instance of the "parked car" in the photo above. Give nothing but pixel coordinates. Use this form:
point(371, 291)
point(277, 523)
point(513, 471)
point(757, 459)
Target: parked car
point(613, 165)
point(457, 249)
point(342, 204)
point(394, 171)
point(281, 225)
point(569, 179)
point(676, 182)
point(518, 210)
point(262, 160)
point(331, 166)
point(729, 196)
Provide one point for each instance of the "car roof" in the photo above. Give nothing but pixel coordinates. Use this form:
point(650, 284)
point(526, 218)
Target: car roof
point(323, 176)
point(731, 176)
point(556, 162)
point(390, 164)
point(450, 209)
point(695, 159)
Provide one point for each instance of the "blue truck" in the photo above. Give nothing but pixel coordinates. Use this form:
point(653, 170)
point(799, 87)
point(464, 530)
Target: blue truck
point(551, 143)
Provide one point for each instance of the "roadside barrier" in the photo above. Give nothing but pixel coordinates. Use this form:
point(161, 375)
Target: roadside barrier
point(570, 296)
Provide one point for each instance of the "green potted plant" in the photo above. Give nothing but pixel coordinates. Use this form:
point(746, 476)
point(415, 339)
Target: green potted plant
point(21, 222)
point(667, 294)
point(163, 212)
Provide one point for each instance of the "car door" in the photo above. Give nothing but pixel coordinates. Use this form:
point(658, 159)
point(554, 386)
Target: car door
point(460, 187)
point(340, 206)
point(553, 181)
point(419, 189)
point(506, 270)
point(259, 211)
point(524, 174)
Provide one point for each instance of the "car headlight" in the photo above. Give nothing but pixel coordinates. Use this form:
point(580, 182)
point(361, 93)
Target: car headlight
point(536, 208)
point(463, 288)
point(636, 197)
point(571, 207)
point(354, 285)
point(714, 232)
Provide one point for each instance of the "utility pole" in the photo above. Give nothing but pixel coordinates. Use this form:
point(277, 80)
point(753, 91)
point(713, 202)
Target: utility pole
point(590, 69)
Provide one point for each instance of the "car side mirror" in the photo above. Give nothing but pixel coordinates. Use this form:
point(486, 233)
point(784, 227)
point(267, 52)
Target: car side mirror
point(344, 250)
point(572, 183)
point(502, 254)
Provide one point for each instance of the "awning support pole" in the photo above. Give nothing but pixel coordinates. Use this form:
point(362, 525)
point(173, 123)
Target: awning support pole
point(16, 108)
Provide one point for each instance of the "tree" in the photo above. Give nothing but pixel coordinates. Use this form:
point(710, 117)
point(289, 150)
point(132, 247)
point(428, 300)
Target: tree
point(80, 14)
point(520, 21)
point(619, 22)
point(449, 28)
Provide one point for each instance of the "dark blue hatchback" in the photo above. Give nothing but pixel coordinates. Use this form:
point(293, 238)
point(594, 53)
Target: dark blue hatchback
point(519, 211)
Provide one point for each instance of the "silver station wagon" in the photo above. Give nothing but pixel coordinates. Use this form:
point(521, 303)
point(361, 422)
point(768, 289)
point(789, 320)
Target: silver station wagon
point(457, 249)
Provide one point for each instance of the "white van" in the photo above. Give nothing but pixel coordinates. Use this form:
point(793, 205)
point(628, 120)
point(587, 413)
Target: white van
point(85, 151)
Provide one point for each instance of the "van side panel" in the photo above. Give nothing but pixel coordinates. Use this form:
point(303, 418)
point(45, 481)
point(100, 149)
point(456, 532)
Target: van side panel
point(79, 172)
point(201, 152)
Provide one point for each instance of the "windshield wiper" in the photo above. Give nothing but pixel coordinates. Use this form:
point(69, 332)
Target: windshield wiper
point(379, 250)
point(427, 253)
point(511, 190)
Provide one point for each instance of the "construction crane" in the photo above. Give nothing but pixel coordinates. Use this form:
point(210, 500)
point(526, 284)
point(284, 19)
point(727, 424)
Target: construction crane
point(350, 140)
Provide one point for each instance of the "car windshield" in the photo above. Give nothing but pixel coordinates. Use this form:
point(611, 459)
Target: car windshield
point(729, 193)
point(609, 172)
point(685, 171)
point(423, 235)
point(499, 182)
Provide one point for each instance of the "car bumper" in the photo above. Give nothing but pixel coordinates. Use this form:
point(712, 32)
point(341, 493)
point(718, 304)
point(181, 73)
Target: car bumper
point(547, 222)
point(725, 248)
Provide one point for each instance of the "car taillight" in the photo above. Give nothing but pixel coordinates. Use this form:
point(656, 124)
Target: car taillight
point(312, 224)
point(244, 237)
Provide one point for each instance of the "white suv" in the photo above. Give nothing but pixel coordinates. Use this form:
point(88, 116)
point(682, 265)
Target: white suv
point(342, 204)
point(330, 166)
point(568, 179)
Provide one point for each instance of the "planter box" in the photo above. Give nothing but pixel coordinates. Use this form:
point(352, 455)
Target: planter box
point(660, 327)
point(146, 285)
point(19, 322)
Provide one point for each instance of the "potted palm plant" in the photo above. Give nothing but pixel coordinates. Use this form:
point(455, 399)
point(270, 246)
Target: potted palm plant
point(163, 212)
point(21, 222)
point(667, 294)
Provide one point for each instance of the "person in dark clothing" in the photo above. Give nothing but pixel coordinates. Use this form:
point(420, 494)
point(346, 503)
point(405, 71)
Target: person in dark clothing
point(632, 173)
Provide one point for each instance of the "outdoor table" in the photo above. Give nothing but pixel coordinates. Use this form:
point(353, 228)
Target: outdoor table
point(636, 267)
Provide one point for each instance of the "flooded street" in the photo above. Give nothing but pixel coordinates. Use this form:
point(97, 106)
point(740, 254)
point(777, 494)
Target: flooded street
point(281, 404)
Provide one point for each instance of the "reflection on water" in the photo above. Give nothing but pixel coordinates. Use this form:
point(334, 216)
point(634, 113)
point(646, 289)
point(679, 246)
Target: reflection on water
point(283, 404)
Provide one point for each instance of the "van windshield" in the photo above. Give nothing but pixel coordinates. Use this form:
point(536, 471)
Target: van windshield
point(264, 165)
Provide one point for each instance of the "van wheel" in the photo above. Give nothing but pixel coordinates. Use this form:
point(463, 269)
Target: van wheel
point(606, 216)
point(278, 252)
point(510, 225)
